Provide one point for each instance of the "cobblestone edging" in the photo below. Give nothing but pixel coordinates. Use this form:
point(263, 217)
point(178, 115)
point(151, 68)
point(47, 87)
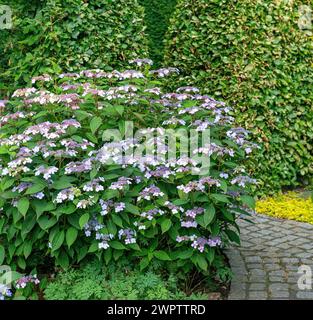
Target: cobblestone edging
point(265, 266)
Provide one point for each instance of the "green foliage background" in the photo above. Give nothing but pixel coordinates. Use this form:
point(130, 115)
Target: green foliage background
point(253, 54)
point(54, 36)
point(157, 16)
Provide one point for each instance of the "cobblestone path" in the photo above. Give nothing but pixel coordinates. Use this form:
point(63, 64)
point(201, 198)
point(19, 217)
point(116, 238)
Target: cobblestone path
point(266, 264)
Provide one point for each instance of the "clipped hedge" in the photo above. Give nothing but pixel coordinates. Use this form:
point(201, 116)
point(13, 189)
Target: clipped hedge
point(157, 16)
point(21, 9)
point(253, 53)
point(66, 35)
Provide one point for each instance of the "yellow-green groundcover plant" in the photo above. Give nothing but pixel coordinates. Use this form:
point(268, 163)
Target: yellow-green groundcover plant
point(287, 206)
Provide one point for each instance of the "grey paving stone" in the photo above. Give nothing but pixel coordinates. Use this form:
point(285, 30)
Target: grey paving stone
point(307, 246)
point(277, 279)
point(258, 272)
point(257, 295)
point(272, 266)
point(291, 260)
point(253, 266)
point(257, 279)
point(278, 287)
point(266, 264)
point(280, 273)
point(305, 255)
point(257, 286)
point(305, 295)
point(253, 259)
point(280, 294)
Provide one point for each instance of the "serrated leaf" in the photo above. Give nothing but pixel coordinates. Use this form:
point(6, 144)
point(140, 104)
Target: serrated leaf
point(131, 208)
point(35, 188)
point(71, 236)
point(83, 220)
point(117, 220)
point(27, 249)
point(233, 236)
point(161, 255)
point(23, 206)
point(144, 263)
point(58, 240)
point(117, 245)
point(248, 200)
point(209, 215)
point(220, 197)
point(2, 254)
point(45, 223)
point(166, 225)
point(201, 262)
point(63, 183)
point(95, 123)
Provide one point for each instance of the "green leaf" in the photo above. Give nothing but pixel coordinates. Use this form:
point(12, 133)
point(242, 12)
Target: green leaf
point(82, 252)
point(71, 236)
point(134, 246)
point(35, 188)
point(248, 200)
point(67, 208)
point(63, 183)
point(21, 262)
point(6, 183)
point(228, 215)
point(45, 223)
point(117, 245)
point(209, 215)
point(161, 255)
point(210, 255)
point(23, 206)
point(186, 254)
point(223, 185)
point(117, 220)
point(220, 197)
point(131, 208)
point(95, 123)
point(107, 255)
point(63, 260)
point(27, 249)
point(83, 220)
point(201, 262)
point(93, 247)
point(42, 206)
point(2, 254)
point(58, 240)
point(233, 236)
point(165, 225)
point(144, 263)
point(28, 224)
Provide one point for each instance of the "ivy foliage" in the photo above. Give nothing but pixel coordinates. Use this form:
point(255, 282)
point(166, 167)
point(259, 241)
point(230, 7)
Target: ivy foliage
point(66, 35)
point(253, 53)
point(157, 16)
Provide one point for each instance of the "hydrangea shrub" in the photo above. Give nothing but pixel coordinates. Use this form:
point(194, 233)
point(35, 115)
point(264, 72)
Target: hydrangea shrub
point(75, 180)
point(258, 56)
